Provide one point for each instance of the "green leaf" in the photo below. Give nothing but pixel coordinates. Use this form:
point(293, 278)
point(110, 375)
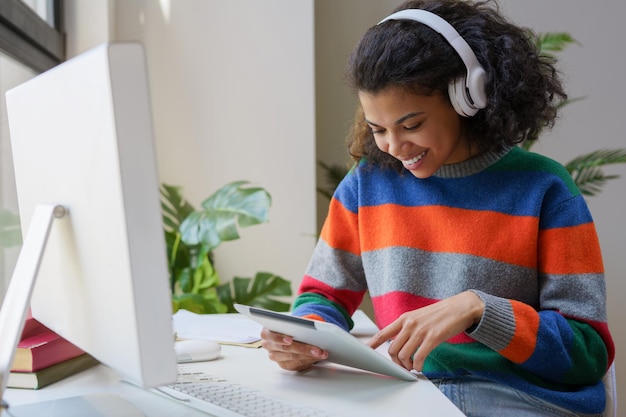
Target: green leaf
point(230, 206)
point(198, 304)
point(333, 175)
point(175, 208)
point(204, 277)
point(10, 231)
point(225, 295)
point(199, 227)
point(527, 144)
point(553, 42)
point(183, 281)
point(258, 292)
point(250, 205)
point(179, 253)
point(597, 158)
point(587, 172)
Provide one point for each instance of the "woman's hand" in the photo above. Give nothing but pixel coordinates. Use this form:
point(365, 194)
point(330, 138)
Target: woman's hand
point(289, 354)
point(416, 333)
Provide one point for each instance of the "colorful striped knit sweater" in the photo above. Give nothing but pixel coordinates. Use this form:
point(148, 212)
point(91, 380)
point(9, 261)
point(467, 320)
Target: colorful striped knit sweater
point(511, 226)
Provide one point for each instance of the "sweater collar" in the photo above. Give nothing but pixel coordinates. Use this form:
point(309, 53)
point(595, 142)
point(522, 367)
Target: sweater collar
point(472, 165)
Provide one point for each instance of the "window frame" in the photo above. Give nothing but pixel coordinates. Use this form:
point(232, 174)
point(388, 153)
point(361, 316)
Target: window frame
point(36, 43)
point(28, 38)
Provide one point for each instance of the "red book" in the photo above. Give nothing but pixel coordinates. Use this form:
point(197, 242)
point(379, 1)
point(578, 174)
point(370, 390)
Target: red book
point(31, 327)
point(40, 348)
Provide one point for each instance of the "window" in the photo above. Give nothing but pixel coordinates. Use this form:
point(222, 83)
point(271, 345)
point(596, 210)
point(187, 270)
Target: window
point(31, 41)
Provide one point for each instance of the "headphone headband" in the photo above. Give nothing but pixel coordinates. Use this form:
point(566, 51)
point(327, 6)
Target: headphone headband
point(471, 96)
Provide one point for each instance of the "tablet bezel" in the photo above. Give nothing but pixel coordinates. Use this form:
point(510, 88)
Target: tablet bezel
point(342, 347)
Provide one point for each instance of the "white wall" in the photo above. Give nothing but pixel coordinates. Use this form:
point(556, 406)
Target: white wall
point(87, 24)
point(233, 99)
point(338, 27)
point(594, 70)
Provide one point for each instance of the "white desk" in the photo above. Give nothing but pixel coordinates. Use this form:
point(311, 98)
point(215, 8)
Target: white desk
point(338, 390)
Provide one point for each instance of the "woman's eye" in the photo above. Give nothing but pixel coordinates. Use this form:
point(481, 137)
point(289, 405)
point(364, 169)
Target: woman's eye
point(376, 130)
point(413, 127)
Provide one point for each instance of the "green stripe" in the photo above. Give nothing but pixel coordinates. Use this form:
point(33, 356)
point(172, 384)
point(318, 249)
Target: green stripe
point(587, 342)
point(476, 357)
point(313, 298)
point(519, 160)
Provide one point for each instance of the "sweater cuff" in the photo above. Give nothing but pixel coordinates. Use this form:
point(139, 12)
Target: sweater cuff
point(497, 325)
point(315, 304)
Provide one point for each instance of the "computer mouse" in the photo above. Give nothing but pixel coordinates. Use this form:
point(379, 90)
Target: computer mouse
point(194, 350)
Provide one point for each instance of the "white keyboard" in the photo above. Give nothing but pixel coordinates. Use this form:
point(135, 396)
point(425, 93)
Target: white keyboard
point(217, 396)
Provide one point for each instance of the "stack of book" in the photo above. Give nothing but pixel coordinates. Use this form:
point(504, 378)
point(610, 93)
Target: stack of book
point(43, 357)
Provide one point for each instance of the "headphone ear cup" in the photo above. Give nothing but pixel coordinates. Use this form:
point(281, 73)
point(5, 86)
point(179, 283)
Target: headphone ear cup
point(459, 100)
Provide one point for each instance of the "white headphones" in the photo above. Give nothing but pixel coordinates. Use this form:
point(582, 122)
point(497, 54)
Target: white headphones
point(467, 94)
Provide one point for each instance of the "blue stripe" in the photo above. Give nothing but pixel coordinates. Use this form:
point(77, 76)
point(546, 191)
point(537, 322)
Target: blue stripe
point(574, 212)
point(488, 191)
point(553, 328)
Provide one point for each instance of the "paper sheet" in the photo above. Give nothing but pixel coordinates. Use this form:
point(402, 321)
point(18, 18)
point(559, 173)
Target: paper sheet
point(237, 329)
point(223, 328)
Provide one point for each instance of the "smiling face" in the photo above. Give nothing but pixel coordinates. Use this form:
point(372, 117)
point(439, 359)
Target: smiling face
point(423, 132)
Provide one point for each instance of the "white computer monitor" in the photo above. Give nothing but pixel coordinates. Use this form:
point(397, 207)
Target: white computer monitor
point(81, 136)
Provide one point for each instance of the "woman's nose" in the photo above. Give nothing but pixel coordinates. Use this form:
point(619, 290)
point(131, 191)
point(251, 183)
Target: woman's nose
point(395, 143)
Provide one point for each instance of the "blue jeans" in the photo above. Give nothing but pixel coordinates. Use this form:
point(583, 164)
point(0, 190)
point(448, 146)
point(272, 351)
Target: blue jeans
point(477, 397)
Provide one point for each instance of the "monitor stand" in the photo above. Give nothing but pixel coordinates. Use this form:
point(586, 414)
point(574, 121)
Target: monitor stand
point(17, 298)
point(12, 317)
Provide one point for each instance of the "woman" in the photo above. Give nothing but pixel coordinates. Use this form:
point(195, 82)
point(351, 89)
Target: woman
point(482, 259)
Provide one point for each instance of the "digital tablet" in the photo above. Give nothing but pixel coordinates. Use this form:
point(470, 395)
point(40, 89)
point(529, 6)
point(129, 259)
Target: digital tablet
point(342, 347)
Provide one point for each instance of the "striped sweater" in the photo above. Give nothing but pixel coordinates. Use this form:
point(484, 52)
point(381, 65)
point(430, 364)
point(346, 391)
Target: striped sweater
point(510, 226)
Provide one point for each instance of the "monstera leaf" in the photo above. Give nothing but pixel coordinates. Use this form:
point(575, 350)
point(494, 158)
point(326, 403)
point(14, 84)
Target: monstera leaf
point(258, 292)
point(191, 235)
point(174, 206)
point(230, 206)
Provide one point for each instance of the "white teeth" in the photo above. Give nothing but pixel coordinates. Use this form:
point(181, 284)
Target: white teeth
point(414, 160)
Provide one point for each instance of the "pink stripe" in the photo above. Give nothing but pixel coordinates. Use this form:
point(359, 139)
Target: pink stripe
point(390, 306)
point(347, 298)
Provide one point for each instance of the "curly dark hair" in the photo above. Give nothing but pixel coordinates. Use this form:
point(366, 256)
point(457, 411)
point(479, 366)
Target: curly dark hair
point(523, 87)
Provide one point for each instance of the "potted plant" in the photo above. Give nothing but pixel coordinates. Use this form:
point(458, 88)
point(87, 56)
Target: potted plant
point(191, 236)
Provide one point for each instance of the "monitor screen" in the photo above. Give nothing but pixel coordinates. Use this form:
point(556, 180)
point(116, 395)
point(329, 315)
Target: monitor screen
point(81, 136)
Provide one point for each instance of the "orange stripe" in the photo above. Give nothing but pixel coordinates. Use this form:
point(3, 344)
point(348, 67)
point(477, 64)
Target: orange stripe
point(314, 317)
point(486, 234)
point(523, 343)
point(340, 230)
point(570, 250)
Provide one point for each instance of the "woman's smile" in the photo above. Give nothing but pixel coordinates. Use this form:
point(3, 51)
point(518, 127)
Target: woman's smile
point(423, 132)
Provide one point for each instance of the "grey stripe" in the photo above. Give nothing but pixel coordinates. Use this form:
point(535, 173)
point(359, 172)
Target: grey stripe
point(337, 268)
point(580, 296)
point(471, 166)
point(441, 275)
